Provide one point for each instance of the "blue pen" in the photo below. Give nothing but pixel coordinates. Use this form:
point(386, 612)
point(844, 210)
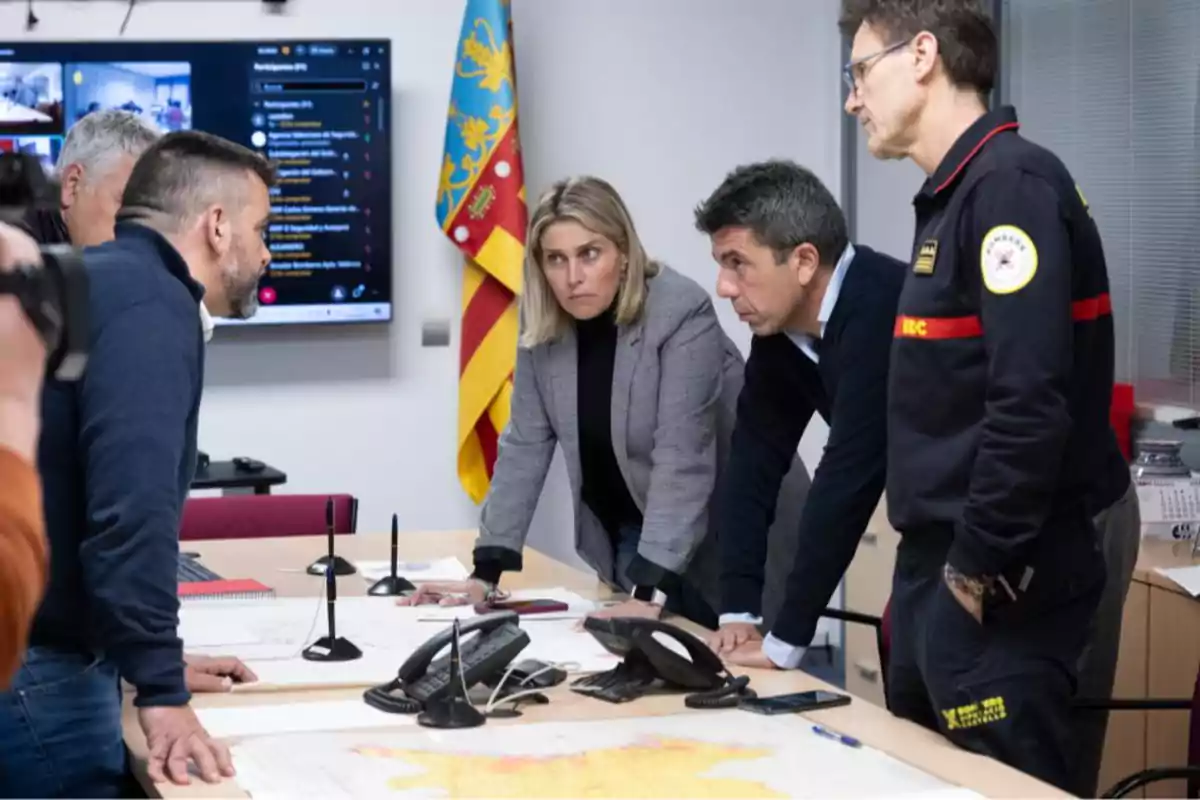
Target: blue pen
point(849, 741)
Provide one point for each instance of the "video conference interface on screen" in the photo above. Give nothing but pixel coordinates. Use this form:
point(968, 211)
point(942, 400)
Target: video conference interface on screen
point(319, 110)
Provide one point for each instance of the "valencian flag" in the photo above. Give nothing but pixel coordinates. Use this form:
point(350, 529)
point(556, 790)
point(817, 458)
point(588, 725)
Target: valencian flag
point(481, 208)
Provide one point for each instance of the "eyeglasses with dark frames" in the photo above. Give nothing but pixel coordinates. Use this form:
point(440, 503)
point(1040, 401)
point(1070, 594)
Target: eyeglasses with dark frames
point(855, 72)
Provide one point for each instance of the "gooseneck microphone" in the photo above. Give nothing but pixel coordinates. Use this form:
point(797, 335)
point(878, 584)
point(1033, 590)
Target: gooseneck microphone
point(340, 565)
point(393, 584)
point(331, 647)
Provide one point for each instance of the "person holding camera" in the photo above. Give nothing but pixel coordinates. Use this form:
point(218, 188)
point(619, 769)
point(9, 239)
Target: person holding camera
point(23, 556)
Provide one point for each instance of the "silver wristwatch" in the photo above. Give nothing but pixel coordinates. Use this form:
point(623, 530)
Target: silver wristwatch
point(491, 592)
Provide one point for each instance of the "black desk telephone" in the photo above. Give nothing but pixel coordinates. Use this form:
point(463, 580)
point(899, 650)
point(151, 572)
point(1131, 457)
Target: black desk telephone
point(424, 677)
point(649, 662)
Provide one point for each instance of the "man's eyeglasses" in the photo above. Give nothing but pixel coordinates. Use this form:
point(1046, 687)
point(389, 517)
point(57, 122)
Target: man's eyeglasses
point(856, 71)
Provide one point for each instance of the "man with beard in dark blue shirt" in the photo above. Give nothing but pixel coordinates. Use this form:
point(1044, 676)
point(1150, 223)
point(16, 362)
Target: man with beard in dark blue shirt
point(116, 458)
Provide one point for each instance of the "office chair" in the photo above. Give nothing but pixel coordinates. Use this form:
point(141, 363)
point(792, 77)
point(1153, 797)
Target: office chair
point(1190, 773)
point(883, 634)
point(250, 516)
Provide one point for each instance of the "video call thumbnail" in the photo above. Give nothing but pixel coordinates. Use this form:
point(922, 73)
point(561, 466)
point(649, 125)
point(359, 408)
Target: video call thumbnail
point(46, 148)
point(46, 98)
point(158, 91)
point(31, 98)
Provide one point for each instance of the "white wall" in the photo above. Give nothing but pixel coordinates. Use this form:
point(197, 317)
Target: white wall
point(886, 220)
point(661, 98)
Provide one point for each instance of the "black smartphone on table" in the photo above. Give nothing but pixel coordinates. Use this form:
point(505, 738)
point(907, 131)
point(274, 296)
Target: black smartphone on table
point(531, 606)
point(795, 703)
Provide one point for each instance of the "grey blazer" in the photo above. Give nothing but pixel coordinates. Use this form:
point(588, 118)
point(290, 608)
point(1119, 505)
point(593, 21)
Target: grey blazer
point(676, 378)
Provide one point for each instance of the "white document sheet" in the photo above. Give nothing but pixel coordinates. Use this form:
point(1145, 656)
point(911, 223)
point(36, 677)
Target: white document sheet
point(375, 667)
point(1188, 578)
point(333, 715)
point(438, 569)
point(270, 635)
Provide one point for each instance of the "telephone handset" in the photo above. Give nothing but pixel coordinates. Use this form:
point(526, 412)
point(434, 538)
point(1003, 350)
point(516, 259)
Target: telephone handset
point(651, 651)
point(424, 677)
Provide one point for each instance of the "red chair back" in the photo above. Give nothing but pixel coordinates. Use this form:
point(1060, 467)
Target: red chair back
point(1120, 416)
point(255, 516)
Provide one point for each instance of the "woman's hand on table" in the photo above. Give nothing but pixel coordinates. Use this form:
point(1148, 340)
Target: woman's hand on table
point(446, 593)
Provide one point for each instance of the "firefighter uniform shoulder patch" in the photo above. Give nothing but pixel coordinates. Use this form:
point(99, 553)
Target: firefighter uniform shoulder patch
point(1008, 258)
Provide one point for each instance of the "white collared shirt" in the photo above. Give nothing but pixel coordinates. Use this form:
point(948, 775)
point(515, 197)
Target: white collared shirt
point(206, 322)
point(828, 303)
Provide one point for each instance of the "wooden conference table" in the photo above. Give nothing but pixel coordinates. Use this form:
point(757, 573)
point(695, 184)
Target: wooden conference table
point(279, 563)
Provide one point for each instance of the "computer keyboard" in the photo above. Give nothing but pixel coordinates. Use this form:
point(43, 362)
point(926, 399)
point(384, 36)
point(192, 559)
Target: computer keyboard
point(190, 570)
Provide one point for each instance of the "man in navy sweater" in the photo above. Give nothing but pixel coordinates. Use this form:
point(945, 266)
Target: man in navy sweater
point(116, 458)
point(95, 163)
point(822, 312)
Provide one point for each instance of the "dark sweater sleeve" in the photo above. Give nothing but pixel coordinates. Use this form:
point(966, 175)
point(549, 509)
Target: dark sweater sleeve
point(135, 398)
point(849, 478)
point(492, 562)
point(770, 423)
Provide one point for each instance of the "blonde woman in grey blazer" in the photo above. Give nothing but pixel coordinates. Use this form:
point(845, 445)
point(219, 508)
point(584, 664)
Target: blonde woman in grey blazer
point(623, 364)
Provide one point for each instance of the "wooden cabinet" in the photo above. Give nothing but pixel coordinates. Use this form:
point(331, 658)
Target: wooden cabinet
point(868, 585)
point(1125, 744)
point(1159, 657)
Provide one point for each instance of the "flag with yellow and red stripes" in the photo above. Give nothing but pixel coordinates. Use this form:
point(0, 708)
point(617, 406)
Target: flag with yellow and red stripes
point(481, 208)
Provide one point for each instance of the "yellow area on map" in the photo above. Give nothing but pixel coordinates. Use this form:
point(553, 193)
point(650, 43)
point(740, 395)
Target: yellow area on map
point(657, 768)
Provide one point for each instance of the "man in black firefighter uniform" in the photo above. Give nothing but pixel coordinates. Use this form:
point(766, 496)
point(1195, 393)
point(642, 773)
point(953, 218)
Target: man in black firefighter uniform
point(999, 391)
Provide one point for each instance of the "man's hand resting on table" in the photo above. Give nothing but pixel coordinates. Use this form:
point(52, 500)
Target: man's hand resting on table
point(733, 635)
point(215, 673)
point(629, 608)
point(749, 654)
point(174, 736)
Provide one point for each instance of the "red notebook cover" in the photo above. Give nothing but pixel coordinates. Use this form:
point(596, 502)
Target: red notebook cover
point(236, 589)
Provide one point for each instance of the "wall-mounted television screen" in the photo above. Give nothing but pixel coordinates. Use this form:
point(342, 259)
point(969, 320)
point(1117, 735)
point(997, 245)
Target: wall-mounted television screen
point(321, 110)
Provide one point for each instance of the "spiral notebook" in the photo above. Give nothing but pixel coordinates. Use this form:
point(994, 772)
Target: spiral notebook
point(225, 589)
point(198, 582)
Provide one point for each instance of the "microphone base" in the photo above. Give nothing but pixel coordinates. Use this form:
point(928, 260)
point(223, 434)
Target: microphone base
point(340, 566)
point(391, 586)
point(450, 712)
point(326, 649)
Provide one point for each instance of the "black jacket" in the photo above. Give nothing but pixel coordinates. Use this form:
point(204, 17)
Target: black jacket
point(783, 388)
point(1002, 372)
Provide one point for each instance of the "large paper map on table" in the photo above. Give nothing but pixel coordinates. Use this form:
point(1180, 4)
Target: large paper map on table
point(702, 754)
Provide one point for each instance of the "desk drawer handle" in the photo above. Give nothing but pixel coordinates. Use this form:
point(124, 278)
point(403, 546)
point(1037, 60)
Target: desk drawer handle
point(869, 538)
point(867, 672)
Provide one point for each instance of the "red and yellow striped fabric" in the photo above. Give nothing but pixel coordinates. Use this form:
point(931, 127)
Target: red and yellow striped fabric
point(481, 208)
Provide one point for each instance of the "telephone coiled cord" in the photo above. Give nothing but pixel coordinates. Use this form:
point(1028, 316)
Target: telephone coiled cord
point(728, 696)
